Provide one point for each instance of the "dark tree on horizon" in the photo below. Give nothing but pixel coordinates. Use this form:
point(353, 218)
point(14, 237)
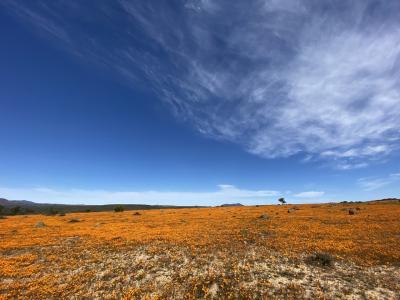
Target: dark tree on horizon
point(282, 200)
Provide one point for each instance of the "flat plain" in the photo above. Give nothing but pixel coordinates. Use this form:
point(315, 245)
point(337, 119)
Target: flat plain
point(319, 251)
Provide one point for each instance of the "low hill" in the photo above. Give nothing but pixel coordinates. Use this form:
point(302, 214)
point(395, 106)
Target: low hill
point(386, 201)
point(231, 204)
point(12, 207)
point(10, 203)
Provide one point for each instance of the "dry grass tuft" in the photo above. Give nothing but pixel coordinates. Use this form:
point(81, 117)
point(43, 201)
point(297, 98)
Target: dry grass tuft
point(74, 220)
point(40, 225)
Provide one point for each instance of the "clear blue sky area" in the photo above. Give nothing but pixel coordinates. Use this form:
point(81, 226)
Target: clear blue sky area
point(199, 103)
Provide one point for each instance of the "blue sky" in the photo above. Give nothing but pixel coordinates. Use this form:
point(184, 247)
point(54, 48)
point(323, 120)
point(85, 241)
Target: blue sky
point(199, 102)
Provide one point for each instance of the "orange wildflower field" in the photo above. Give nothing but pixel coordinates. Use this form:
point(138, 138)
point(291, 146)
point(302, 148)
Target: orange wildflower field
point(253, 252)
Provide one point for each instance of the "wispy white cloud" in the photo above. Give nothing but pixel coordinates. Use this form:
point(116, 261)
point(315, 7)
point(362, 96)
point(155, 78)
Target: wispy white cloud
point(278, 77)
point(310, 194)
point(224, 193)
point(375, 183)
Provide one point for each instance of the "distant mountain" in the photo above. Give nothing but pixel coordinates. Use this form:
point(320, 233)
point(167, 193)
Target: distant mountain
point(386, 200)
point(11, 203)
point(29, 207)
point(231, 204)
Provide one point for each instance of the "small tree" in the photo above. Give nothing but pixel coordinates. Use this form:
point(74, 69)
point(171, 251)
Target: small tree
point(282, 200)
point(1, 209)
point(15, 210)
point(119, 208)
point(52, 211)
point(29, 211)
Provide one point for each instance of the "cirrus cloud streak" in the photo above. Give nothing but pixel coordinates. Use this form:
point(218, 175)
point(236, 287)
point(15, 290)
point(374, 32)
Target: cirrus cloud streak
point(279, 78)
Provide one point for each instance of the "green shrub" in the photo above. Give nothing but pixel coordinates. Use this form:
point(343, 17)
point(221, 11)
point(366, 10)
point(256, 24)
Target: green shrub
point(52, 212)
point(119, 208)
point(320, 259)
point(15, 210)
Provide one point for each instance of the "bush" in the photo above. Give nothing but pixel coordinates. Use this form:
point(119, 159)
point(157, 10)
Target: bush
point(320, 259)
point(119, 208)
point(52, 212)
point(29, 211)
point(352, 212)
point(15, 210)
